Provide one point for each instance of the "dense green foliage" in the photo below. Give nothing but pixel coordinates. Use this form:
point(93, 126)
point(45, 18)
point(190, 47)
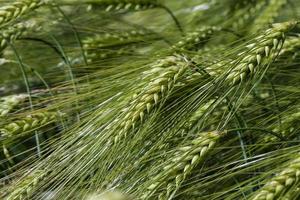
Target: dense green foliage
point(149, 99)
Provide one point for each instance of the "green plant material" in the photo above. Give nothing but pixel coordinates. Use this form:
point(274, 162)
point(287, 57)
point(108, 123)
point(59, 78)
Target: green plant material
point(243, 16)
point(281, 182)
point(7, 155)
point(11, 34)
point(269, 14)
point(236, 5)
point(193, 41)
point(170, 70)
point(112, 45)
point(200, 112)
point(116, 5)
point(179, 166)
point(288, 126)
point(261, 52)
point(135, 94)
point(17, 9)
point(127, 5)
point(110, 195)
point(291, 45)
point(188, 127)
point(29, 123)
point(8, 103)
point(23, 189)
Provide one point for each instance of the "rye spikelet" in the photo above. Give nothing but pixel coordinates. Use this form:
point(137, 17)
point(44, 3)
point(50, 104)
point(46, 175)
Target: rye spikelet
point(111, 45)
point(11, 33)
point(193, 41)
point(17, 9)
point(280, 183)
point(129, 5)
point(179, 167)
point(24, 188)
point(269, 14)
point(175, 138)
point(169, 71)
point(289, 124)
point(29, 123)
point(290, 47)
point(116, 5)
point(261, 52)
point(197, 116)
point(8, 103)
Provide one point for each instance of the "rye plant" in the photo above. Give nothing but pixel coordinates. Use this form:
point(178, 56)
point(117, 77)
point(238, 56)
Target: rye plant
point(144, 99)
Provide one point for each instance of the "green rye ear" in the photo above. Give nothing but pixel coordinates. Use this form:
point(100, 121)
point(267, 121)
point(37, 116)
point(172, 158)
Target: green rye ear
point(14, 11)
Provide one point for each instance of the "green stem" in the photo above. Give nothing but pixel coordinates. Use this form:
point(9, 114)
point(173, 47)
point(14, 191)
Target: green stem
point(25, 78)
point(70, 72)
